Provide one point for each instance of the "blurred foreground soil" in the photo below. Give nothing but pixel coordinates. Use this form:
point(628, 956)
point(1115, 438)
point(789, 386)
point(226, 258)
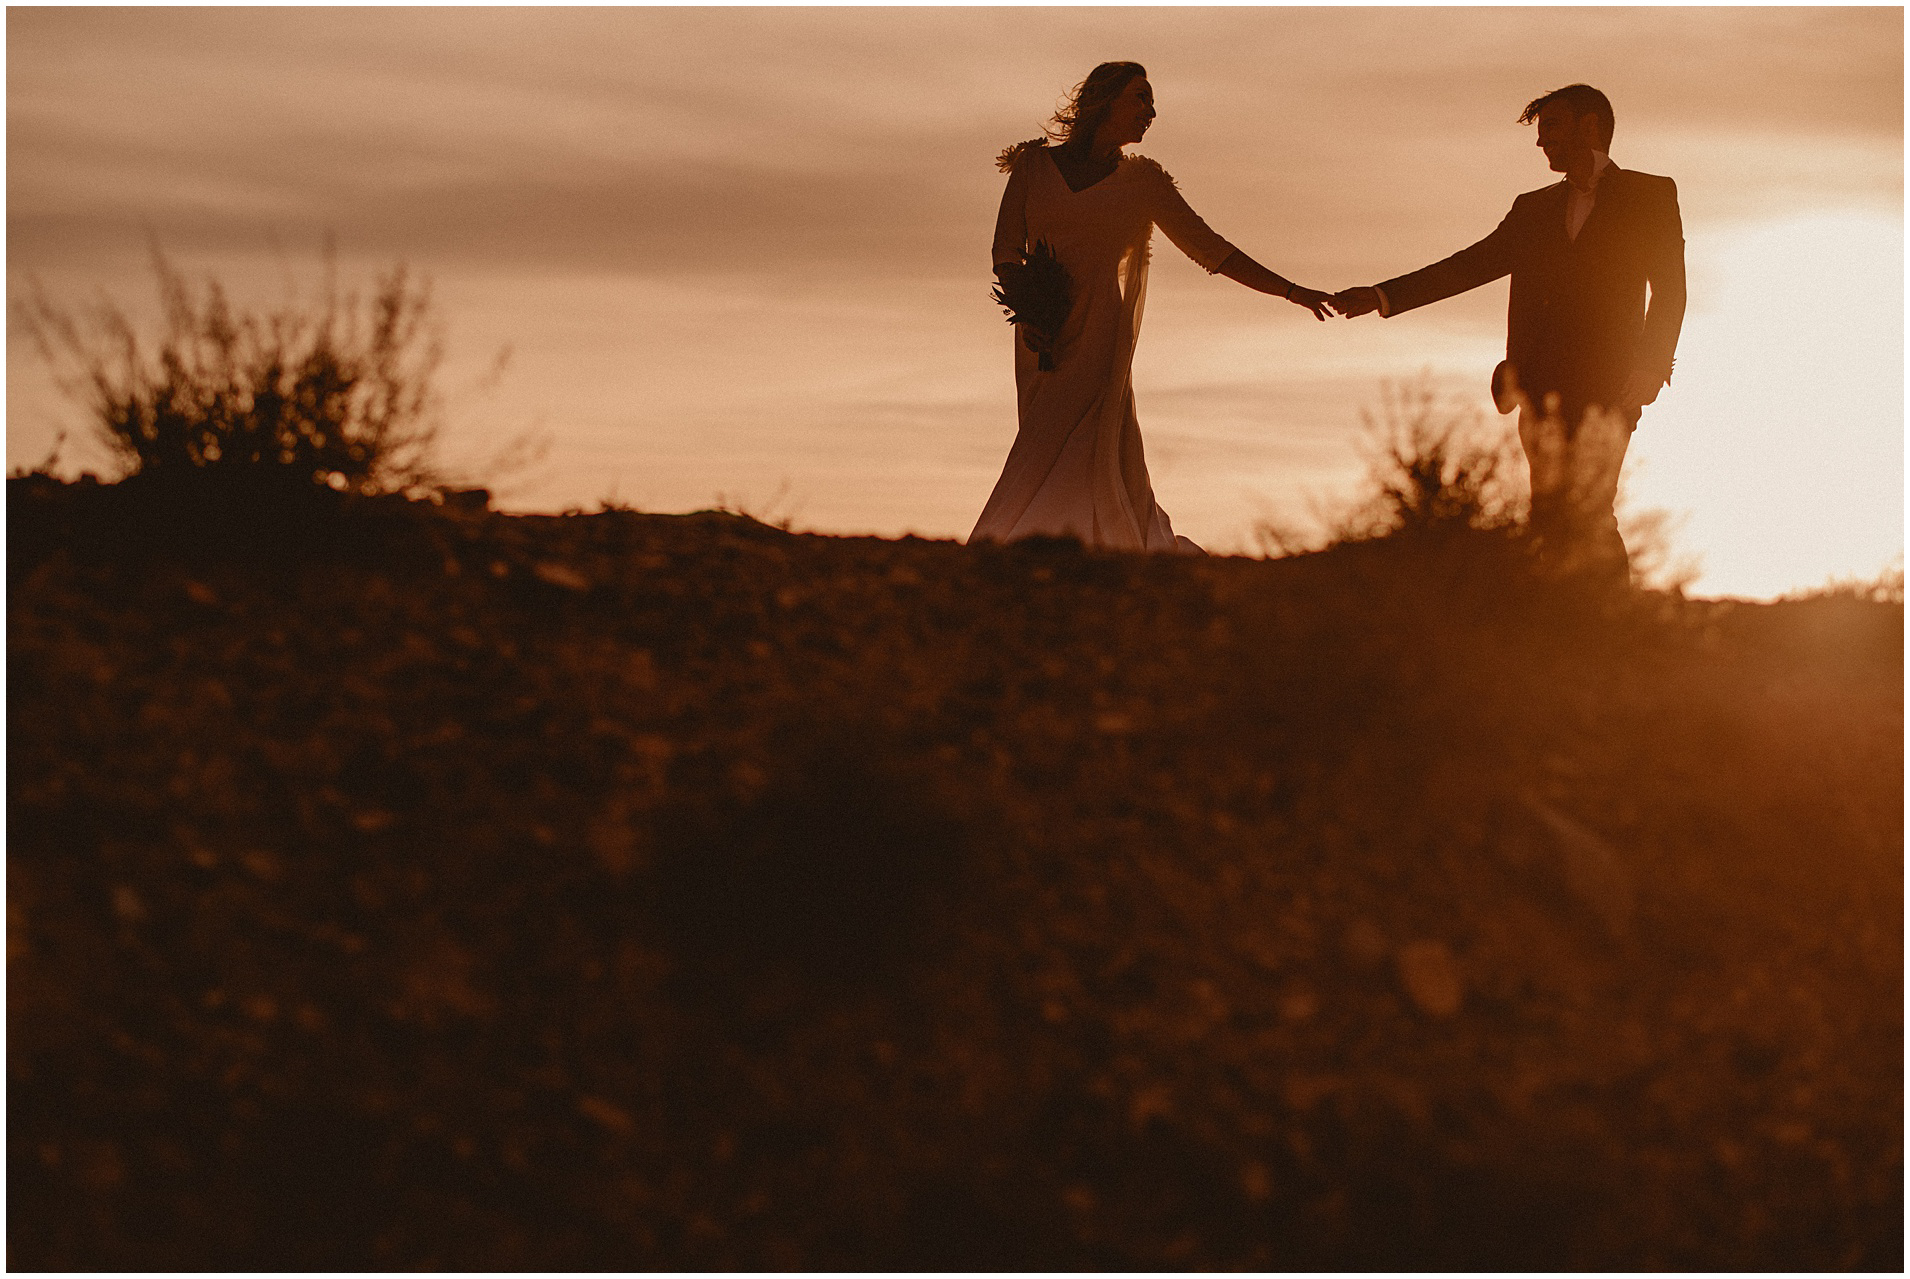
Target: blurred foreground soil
point(394, 886)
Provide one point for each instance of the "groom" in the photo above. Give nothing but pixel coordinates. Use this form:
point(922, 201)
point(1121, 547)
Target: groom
point(1584, 350)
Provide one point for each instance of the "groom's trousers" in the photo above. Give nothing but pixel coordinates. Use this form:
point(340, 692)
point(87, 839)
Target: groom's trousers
point(1575, 489)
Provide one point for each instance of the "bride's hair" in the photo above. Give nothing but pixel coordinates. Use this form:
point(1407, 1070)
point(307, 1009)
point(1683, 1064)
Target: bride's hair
point(1083, 112)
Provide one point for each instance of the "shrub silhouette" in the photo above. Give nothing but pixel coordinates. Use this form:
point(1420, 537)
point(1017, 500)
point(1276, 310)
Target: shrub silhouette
point(338, 395)
point(1433, 469)
point(1436, 471)
point(1885, 588)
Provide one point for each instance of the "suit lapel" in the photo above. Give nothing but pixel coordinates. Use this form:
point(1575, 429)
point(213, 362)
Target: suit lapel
point(1608, 204)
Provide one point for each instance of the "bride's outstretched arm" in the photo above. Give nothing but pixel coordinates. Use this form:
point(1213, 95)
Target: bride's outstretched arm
point(1197, 240)
point(1239, 267)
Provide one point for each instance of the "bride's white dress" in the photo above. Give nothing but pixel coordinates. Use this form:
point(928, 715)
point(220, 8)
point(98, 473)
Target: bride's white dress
point(1077, 467)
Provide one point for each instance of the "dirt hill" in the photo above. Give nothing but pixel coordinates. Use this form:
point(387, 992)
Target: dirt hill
point(397, 886)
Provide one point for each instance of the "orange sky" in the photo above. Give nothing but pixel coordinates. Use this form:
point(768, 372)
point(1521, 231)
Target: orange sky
point(744, 252)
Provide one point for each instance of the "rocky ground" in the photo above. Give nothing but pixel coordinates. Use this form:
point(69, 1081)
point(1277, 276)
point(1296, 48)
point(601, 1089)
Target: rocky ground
point(396, 886)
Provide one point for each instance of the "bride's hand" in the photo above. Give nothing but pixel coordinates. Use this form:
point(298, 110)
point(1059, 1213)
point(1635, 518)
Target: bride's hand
point(1312, 299)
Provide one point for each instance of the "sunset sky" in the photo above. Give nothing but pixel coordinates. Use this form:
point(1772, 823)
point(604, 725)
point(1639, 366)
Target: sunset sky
point(743, 254)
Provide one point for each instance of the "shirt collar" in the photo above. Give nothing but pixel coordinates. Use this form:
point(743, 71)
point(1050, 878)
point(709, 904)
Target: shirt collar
point(1600, 161)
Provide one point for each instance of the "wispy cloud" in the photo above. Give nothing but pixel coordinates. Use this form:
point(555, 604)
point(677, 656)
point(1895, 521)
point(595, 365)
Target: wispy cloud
point(660, 138)
point(738, 244)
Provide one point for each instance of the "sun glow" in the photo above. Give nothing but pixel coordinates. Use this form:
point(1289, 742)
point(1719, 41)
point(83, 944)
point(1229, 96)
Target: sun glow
point(1781, 435)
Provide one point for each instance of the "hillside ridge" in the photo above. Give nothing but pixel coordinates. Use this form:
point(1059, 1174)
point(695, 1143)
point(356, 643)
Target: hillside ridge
point(398, 885)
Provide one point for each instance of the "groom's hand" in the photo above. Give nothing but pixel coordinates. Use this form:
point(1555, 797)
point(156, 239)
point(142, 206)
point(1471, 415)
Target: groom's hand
point(1356, 301)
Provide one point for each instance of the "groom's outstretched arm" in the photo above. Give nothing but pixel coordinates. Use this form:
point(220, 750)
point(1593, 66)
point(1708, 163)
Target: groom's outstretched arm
point(1469, 268)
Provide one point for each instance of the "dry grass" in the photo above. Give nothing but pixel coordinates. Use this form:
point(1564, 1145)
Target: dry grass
point(423, 888)
point(334, 392)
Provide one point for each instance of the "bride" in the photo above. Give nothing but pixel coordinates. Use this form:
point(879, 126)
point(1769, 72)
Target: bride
point(1076, 467)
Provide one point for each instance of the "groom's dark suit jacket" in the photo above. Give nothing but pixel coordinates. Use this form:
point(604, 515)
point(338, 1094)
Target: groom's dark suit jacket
point(1577, 323)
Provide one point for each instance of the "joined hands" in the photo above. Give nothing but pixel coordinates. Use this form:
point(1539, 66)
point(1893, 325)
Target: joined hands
point(1356, 301)
point(1347, 302)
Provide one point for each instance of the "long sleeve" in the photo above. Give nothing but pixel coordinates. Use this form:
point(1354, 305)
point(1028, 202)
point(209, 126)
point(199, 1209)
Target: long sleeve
point(1666, 273)
point(1011, 224)
point(1469, 268)
point(1182, 225)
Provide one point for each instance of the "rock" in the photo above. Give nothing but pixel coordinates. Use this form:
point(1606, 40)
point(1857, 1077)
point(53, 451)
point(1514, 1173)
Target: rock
point(605, 1114)
point(1431, 977)
point(1299, 1003)
point(561, 575)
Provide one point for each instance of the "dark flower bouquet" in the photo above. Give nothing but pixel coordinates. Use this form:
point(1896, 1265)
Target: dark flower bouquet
point(1037, 295)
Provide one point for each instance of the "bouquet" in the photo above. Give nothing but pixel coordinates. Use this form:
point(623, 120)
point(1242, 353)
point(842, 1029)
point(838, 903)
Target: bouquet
point(1037, 295)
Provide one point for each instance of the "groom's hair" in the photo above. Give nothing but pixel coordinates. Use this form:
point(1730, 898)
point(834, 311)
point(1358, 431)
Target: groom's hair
point(1584, 100)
